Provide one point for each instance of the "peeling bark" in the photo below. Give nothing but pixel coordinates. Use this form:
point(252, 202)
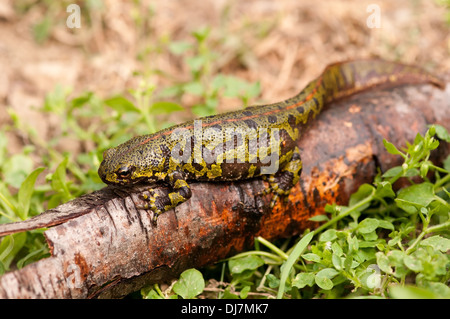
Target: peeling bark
point(102, 246)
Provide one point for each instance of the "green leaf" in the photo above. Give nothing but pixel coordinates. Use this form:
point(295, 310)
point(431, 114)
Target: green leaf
point(41, 30)
point(152, 294)
point(328, 235)
point(447, 163)
point(437, 242)
point(289, 263)
point(371, 277)
point(121, 104)
point(218, 82)
point(233, 87)
point(384, 189)
point(337, 261)
point(165, 107)
point(424, 167)
point(348, 262)
point(373, 280)
point(6, 246)
point(411, 172)
point(442, 133)
point(364, 191)
point(190, 284)
point(82, 99)
point(418, 141)
point(324, 283)
point(58, 179)
point(353, 243)
point(303, 279)
point(385, 224)
point(10, 247)
point(272, 281)
point(324, 276)
point(32, 256)
point(239, 265)
point(368, 225)
point(311, 257)
point(411, 292)
point(394, 241)
point(411, 198)
point(369, 237)
point(367, 244)
point(434, 144)
point(396, 258)
point(391, 148)
point(201, 33)
point(319, 218)
point(253, 90)
point(227, 294)
point(438, 288)
point(194, 88)
point(413, 263)
point(202, 110)
point(383, 262)
point(244, 292)
point(179, 47)
point(171, 91)
point(16, 168)
point(394, 171)
point(26, 191)
point(195, 63)
point(55, 101)
point(337, 249)
point(332, 209)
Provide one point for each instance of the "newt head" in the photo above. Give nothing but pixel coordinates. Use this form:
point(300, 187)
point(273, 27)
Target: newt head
point(137, 160)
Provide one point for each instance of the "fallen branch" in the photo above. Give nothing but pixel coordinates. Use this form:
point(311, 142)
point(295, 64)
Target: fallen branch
point(102, 246)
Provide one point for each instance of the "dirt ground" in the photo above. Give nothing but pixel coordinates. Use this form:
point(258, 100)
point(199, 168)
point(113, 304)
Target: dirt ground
point(283, 44)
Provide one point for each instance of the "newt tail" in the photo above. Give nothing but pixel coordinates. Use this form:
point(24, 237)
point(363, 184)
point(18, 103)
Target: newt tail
point(253, 142)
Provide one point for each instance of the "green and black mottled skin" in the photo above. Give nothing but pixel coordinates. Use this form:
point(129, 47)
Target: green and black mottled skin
point(149, 158)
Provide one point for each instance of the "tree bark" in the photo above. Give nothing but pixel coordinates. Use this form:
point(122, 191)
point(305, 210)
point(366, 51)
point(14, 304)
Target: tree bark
point(102, 246)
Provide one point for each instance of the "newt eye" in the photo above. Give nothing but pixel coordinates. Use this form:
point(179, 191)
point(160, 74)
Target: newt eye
point(124, 172)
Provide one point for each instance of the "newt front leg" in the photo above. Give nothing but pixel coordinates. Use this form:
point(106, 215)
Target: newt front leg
point(180, 193)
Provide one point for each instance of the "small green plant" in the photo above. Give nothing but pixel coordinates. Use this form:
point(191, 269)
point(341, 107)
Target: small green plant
point(188, 286)
point(204, 84)
point(385, 243)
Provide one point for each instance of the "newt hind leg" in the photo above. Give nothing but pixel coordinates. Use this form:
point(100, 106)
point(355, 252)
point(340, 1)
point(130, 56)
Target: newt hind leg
point(280, 183)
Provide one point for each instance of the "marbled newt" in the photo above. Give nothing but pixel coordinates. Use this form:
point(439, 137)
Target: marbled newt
point(255, 141)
